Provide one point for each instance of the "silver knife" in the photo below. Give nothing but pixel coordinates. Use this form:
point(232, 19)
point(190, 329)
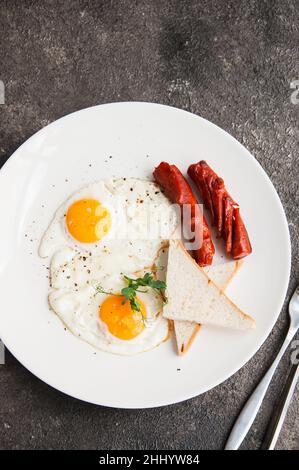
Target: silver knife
point(281, 409)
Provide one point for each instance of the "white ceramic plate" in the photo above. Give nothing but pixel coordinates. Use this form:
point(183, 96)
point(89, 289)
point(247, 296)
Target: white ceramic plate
point(129, 139)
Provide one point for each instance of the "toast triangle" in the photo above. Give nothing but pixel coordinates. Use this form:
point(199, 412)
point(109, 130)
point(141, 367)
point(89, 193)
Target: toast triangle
point(221, 275)
point(194, 297)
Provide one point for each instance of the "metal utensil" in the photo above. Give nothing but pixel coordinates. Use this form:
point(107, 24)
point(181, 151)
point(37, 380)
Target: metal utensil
point(252, 406)
point(281, 409)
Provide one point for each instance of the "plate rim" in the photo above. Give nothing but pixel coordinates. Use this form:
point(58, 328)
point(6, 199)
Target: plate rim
point(285, 228)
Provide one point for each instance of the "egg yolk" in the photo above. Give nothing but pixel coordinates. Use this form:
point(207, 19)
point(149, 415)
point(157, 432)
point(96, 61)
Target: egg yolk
point(87, 220)
point(121, 320)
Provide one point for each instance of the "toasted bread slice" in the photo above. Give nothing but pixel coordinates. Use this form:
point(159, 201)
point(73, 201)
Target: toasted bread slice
point(221, 275)
point(185, 333)
point(193, 296)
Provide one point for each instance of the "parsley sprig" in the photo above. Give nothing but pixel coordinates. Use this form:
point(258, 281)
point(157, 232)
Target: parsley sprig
point(130, 291)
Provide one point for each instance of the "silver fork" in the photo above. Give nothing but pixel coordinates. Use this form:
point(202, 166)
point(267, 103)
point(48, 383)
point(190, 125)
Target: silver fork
point(252, 406)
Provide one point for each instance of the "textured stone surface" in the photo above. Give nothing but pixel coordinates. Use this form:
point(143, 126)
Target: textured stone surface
point(230, 62)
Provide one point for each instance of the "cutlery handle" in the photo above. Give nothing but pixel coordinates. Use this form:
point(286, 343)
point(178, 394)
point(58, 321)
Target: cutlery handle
point(252, 406)
point(280, 414)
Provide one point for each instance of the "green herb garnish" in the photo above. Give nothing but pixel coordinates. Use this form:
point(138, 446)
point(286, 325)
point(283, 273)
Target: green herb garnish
point(130, 291)
point(99, 290)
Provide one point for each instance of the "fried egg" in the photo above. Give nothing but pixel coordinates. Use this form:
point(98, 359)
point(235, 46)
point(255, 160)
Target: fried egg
point(124, 221)
point(106, 320)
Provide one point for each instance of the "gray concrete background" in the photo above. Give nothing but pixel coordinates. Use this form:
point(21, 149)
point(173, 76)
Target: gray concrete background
point(229, 61)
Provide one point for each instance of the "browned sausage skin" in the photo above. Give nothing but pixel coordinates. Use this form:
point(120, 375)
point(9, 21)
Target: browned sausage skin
point(178, 190)
point(225, 212)
point(241, 245)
